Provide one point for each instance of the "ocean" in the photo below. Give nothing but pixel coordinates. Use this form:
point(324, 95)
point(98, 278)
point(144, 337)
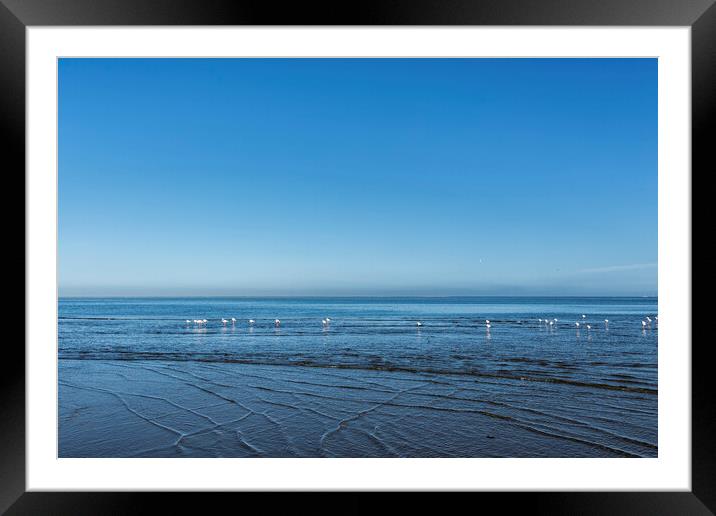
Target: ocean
point(136, 380)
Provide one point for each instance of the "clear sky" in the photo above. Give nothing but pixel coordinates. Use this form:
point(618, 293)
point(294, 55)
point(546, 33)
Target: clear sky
point(358, 176)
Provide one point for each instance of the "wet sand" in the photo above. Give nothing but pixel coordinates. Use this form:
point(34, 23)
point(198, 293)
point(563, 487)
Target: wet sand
point(194, 409)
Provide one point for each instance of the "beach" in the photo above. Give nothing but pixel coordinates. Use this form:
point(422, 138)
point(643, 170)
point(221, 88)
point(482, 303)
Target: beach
point(170, 409)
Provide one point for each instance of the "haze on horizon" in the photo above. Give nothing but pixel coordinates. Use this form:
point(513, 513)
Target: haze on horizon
point(424, 177)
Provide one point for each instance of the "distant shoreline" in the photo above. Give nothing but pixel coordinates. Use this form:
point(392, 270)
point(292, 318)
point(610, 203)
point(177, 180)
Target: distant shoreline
point(358, 297)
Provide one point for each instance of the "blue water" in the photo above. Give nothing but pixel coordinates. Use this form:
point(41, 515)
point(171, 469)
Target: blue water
point(607, 373)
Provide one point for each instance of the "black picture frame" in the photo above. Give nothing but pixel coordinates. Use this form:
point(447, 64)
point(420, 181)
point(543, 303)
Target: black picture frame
point(16, 15)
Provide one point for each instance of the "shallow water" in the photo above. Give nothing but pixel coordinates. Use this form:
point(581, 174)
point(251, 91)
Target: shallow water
point(370, 383)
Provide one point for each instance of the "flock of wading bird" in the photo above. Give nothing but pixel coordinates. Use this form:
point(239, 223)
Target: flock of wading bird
point(645, 323)
point(251, 322)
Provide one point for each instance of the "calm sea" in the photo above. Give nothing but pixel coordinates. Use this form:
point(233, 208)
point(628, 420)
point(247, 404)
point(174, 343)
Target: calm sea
point(607, 372)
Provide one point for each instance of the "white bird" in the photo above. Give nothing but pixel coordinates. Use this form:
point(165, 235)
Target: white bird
point(418, 323)
point(488, 326)
point(276, 323)
point(589, 327)
point(577, 324)
point(584, 316)
point(487, 321)
point(643, 324)
point(233, 320)
point(324, 322)
point(555, 319)
point(251, 321)
point(224, 321)
point(204, 321)
point(540, 320)
point(188, 321)
point(551, 323)
point(328, 319)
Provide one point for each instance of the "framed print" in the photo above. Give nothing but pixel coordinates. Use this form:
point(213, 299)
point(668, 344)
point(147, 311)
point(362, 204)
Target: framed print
point(426, 248)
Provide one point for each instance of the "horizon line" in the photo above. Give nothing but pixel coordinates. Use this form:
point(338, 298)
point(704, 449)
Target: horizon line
point(294, 296)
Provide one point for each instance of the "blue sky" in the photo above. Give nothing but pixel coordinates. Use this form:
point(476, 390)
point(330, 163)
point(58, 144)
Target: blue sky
point(357, 176)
